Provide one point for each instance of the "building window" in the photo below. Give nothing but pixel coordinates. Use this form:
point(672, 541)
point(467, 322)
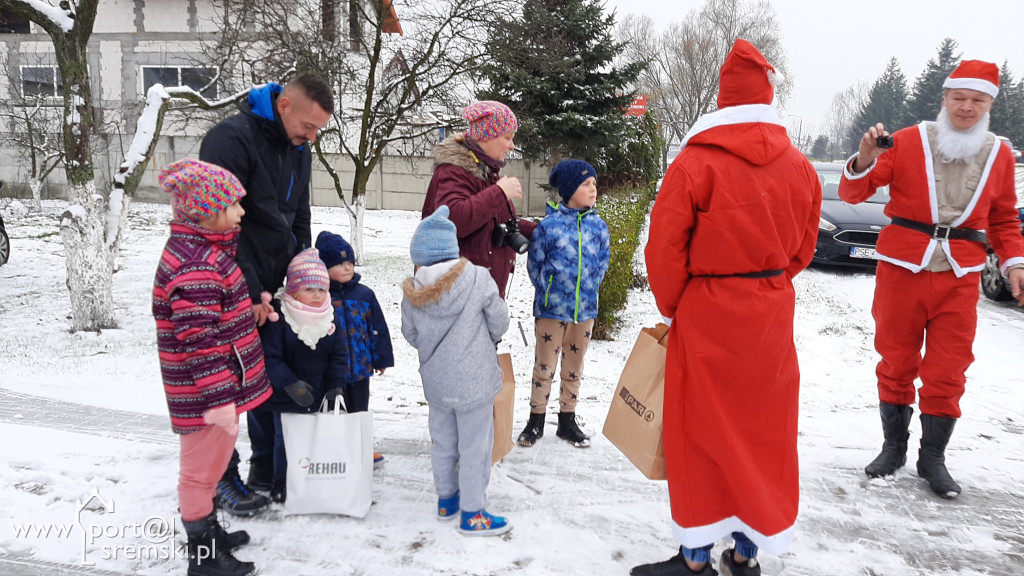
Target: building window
point(11, 23)
point(195, 78)
point(44, 81)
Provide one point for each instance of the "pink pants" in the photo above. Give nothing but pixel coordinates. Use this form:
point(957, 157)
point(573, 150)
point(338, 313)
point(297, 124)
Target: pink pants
point(204, 457)
point(935, 310)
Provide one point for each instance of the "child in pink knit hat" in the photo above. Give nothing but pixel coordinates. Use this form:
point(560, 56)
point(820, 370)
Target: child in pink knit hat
point(211, 359)
point(306, 351)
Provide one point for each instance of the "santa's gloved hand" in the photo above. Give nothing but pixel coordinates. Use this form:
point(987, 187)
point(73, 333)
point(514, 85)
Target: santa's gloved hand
point(301, 392)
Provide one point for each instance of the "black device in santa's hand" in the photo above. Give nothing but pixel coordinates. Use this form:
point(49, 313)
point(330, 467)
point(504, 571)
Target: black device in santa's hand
point(884, 142)
point(508, 234)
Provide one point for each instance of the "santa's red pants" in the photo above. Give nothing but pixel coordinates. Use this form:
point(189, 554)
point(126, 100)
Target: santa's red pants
point(935, 309)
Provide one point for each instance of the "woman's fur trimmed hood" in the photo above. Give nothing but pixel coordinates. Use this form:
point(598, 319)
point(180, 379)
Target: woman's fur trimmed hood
point(453, 151)
point(420, 297)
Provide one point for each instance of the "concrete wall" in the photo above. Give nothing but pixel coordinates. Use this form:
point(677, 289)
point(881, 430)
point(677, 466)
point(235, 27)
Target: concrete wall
point(398, 182)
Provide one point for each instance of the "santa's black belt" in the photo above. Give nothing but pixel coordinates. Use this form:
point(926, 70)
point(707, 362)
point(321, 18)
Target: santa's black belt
point(940, 232)
point(759, 274)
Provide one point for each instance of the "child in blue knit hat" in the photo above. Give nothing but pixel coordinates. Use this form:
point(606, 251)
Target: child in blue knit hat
point(361, 320)
point(567, 262)
point(452, 314)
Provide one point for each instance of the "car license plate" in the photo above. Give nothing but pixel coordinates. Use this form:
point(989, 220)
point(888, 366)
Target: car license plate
point(859, 252)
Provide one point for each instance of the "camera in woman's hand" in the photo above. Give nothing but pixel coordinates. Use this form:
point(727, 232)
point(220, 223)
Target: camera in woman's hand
point(508, 234)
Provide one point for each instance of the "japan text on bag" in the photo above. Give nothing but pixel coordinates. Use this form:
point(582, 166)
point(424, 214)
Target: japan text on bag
point(634, 423)
point(330, 461)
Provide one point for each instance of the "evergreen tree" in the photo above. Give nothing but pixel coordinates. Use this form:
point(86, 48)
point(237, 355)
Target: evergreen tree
point(1007, 116)
point(887, 103)
point(553, 65)
point(820, 148)
point(926, 96)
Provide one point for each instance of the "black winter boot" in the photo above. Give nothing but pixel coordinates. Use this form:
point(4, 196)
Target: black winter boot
point(931, 459)
point(279, 491)
point(235, 498)
point(227, 540)
point(674, 566)
point(261, 473)
point(206, 557)
point(730, 567)
point(896, 430)
point(534, 430)
point(570, 432)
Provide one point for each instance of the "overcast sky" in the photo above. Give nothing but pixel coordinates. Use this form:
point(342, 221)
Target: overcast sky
point(831, 45)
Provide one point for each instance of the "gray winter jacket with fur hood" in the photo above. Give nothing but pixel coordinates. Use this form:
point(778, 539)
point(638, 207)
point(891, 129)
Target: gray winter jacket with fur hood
point(454, 323)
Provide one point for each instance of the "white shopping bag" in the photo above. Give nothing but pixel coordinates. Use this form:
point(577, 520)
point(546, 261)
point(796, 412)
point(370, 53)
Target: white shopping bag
point(330, 461)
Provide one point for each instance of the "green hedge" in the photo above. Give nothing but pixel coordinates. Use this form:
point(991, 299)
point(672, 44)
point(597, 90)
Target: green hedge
point(624, 210)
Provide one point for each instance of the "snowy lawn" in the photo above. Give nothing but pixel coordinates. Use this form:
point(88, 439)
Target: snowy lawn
point(80, 412)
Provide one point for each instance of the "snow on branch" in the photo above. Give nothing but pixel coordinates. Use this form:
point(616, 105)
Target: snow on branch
point(60, 17)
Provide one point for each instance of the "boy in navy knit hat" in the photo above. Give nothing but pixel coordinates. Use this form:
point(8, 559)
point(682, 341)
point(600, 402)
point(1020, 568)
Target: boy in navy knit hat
point(567, 261)
point(361, 320)
point(452, 314)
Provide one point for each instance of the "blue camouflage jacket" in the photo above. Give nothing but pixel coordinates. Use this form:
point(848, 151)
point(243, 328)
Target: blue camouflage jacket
point(362, 321)
point(568, 258)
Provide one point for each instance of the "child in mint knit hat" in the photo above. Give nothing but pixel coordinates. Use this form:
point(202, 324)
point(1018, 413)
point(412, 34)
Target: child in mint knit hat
point(453, 316)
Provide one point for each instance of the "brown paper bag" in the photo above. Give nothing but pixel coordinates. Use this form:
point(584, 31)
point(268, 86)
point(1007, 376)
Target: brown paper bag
point(504, 409)
point(634, 422)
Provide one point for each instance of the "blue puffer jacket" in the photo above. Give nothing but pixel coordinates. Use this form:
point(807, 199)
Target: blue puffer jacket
point(288, 360)
point(568, 259)
point(358, 313)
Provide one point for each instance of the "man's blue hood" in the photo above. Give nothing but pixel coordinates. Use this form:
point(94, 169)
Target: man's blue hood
point(261, 100)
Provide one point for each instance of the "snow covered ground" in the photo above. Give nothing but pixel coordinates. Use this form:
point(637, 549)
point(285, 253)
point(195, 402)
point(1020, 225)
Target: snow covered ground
point(84, 414)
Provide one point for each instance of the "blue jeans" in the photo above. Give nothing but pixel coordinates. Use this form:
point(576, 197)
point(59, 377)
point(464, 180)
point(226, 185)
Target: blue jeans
point(744, 546)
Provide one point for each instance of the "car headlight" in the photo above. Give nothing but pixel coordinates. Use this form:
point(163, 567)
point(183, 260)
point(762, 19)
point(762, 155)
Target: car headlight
point(825, 225)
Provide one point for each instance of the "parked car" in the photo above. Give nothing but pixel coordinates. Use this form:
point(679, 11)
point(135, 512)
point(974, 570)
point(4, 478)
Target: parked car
point(847, 233)
point(993, 285)
point(1016, 153)
point(5, 243)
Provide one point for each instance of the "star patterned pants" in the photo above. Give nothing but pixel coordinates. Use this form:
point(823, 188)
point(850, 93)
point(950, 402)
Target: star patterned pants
point(565, 341)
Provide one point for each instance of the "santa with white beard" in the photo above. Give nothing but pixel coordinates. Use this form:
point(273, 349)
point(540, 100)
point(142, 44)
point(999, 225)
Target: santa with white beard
point(951, 184)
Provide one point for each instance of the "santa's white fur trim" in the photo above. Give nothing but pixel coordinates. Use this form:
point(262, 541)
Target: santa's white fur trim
point(775, 77)
point(978, 84)
point(745, 114)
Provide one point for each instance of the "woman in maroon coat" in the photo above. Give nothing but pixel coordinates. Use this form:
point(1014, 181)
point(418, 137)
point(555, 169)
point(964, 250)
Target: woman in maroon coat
point(466, 180)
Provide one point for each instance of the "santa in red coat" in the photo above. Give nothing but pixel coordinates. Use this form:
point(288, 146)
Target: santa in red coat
point(952, 192)
point(735, 220)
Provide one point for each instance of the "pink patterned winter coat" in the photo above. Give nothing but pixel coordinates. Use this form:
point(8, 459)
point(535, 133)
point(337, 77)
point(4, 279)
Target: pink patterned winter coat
point(210, 352)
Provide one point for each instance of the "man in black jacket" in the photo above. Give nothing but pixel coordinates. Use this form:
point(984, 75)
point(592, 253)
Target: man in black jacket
point(267, 146)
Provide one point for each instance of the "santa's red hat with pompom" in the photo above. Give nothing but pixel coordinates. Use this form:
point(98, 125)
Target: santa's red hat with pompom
point(746, 77)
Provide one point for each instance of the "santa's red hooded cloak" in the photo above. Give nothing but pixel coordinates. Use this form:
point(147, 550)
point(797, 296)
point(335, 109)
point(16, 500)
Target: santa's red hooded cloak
point(739, 199)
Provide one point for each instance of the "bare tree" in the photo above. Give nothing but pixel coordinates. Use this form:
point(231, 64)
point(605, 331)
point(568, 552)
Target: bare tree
point(34, 128)
point(840, 116)
point(682, 78)
point(390, 60)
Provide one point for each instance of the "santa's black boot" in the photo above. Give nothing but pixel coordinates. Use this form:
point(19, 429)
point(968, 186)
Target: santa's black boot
point(931, 460)
point(896, 430)
point(534, 430)
point(674, 566)
point(206, 555)
point(570, 432)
